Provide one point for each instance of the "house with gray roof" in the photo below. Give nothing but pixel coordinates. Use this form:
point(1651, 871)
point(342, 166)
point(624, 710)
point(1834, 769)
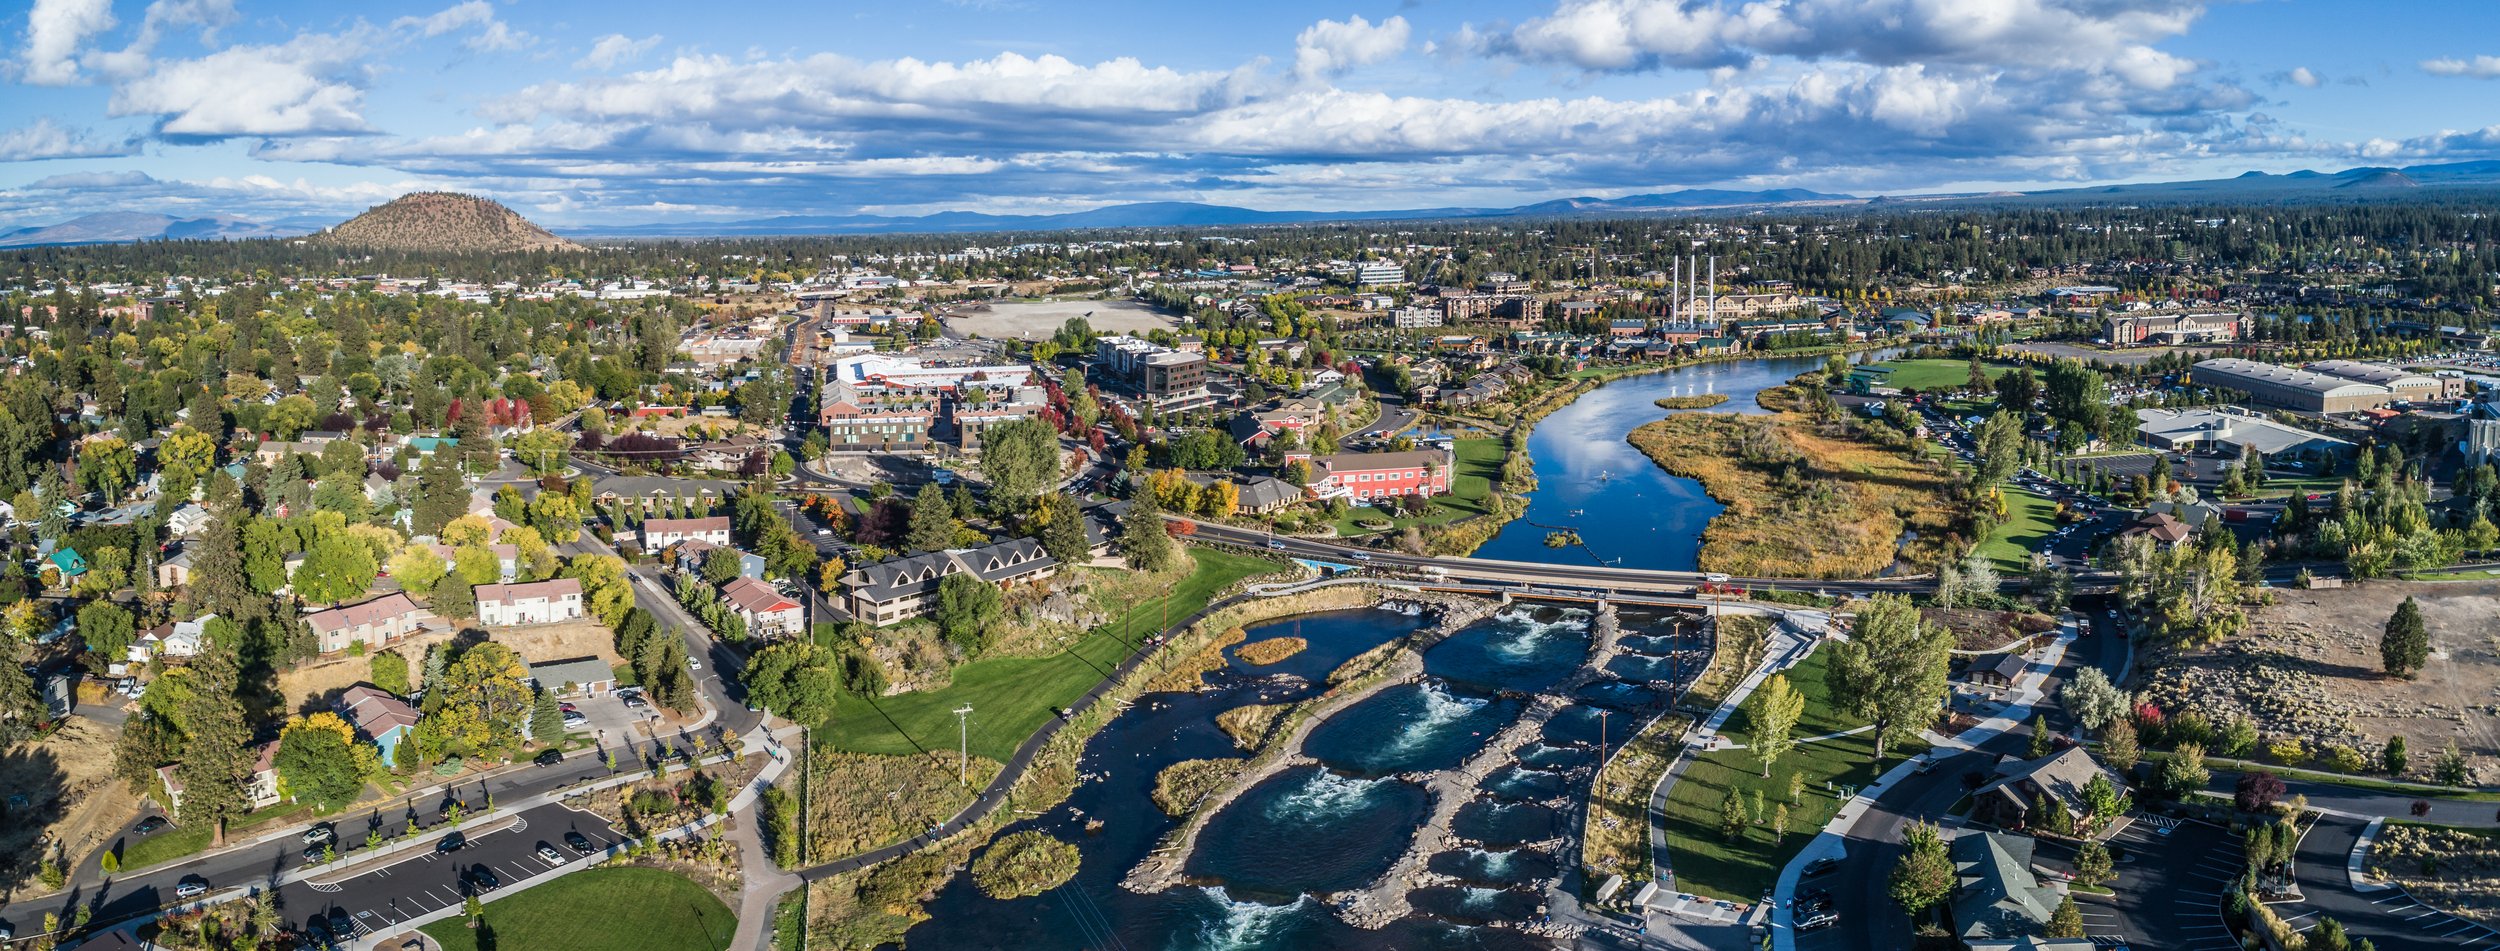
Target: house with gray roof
point(1997, 899)
point(892, 591)
point(2006, 799)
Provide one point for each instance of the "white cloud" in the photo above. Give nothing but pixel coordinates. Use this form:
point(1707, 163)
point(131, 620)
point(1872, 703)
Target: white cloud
point(2301, 76)
point(208, 15)
point(2480, 67)
point(493, 35)
point(615, 48)
point(309, 85)
point(1329, 47)
point(54, 31)
point(44, 139)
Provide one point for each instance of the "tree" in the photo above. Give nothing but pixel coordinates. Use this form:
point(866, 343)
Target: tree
point(107, 628)
point(2000, 442)
point(2118, 746)
point(1143, 540)
point(2017, 389)
point(1923, 876)
point(546, 718)
point(2092, 863)
point(478, 705)
point(453, 597)
point(2256, 791)
point(2041, 739)
point(795, 679)
point(932, 520)
point(2452, 769)
point(2392, 757)
point(2406, 645)
point(389, 671)
point(336, 568)
point(966, 608)
point(1892, 670)
point(1776, 709)
point(217, 755)
point(1731, 814)
point(2184, 772)
point(2091, 699)
point(2101, 800)
point(606, 593)
point(320, 761)
point(2066, 921)
point(1063, 529)
point(1021, 459)
point(720, 565)
point(108, 465)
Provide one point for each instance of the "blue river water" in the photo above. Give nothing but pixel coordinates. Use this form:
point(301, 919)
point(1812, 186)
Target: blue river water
point(1628, 511)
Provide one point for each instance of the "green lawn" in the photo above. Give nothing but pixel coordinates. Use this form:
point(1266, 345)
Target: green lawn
point(2029, 518)
point(1745, 868)
point(2282, 486)
point(189, 838)
point(1925, 375)
point(627, 909)
point(1479, 467)
point(1012, 697)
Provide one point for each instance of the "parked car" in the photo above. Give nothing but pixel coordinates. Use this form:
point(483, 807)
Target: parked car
point(192, 886)
point(548, 854)
point(320, 834)
point(577, 842)
point(483, 878)
point(150, 825)
point(343, 924)
point(550, 757)
point(451, 843)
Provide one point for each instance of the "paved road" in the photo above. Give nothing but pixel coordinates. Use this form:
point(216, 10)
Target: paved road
point(2389, 918)
point(427, 879)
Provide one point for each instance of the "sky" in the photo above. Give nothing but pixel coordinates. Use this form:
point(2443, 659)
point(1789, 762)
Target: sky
point(628, 111)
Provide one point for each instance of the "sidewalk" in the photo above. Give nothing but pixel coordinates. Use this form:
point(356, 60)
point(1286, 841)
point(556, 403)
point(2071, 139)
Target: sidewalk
point(1784, 650)
point(2028, 692)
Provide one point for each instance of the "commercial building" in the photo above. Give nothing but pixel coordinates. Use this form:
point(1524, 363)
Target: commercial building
point(375, 623)
point(903, 588)
point(879, 370)
point(1371, 475)
point(1167, 377)
point(1415, 318)
point(2406, 384)
point(1378, 272)
point(2160, 327)
point(855, 421)
point(2234, 432)
point(1999, 903)
point(538, 602)
point(589, 676)
point(2291, 388)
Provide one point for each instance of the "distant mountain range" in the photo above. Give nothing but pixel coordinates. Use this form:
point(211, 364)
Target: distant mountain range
point(114, 227)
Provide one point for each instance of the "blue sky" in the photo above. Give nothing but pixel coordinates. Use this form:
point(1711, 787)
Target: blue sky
point(616, 112)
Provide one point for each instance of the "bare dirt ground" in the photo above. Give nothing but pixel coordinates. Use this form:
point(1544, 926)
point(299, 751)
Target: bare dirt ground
point(676, 427)
point(1023, 320)
point(313, 686)
point(70, 797)
point(2309, 667)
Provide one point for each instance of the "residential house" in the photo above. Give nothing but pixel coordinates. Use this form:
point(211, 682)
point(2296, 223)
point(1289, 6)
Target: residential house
point(767, 612)
point(69, 563)
point(375, 623)
point(588, 676)
point(2006, 801)
point(175, 571)
point(660, 533)
point(902, 588)
point(191, 519)
point(538, 602)
point(382, 718)
point(259, 792)
point(2163, 528)
point(688, 557)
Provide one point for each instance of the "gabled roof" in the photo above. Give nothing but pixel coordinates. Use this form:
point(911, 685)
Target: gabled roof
point(920, 574)
point(2062, 774)
point(358, 615)
point(548, 590)
point(1999, 896)
point(755, 597)
point(375, 711)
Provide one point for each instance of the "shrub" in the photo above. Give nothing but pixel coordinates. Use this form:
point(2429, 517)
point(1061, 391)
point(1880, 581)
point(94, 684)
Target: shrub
point(2289, 751)
point(1024, 864)
point(2343, 759)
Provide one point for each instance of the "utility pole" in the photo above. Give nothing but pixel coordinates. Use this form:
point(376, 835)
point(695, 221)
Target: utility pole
point(1601, 739)
point(963, 741)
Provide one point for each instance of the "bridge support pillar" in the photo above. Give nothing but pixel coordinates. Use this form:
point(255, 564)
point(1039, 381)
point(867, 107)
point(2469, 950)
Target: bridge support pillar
point(1505, 602)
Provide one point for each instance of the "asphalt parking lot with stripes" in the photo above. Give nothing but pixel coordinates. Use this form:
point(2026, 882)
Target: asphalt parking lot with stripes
point(2171, 875)
point(2388, 917)
point(378, 898)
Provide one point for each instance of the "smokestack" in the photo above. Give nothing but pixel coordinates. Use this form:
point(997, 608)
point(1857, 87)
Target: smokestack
point(1675, 287)
point(1714, 287)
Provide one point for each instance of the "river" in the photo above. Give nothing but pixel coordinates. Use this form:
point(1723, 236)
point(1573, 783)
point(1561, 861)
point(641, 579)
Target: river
point(1629, 512)
point(1265, 859)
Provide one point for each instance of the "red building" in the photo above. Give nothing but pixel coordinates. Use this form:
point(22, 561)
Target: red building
point(1371, 475)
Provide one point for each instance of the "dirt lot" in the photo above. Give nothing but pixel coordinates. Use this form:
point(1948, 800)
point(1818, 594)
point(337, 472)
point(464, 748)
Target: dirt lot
point(1038, 318)
point(69, 795)
point(314, 685)
point(2309, 667)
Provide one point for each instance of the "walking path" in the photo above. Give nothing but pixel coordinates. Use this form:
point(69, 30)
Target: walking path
point(1788, 646)
point(2029, 689)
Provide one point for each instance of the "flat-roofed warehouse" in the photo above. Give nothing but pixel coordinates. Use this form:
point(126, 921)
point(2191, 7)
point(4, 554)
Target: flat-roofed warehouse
point(2406, 384)
point(2290, 387)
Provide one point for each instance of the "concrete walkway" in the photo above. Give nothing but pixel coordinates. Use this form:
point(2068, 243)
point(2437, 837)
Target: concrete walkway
point(2029, 689)
point(1786, 647)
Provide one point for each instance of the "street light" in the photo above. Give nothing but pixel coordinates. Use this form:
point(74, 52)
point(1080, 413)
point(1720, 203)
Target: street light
point(963, 741)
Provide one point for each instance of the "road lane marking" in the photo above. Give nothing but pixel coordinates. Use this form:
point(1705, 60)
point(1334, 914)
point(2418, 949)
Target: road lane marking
point(2427, 912)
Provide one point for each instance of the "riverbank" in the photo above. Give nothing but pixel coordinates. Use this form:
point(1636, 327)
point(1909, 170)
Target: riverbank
point(1804, 499)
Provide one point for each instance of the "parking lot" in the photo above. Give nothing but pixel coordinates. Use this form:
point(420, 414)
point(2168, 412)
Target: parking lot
point(607, 718)
point(2389, 918)
point(378, 899)
point(2169, 888)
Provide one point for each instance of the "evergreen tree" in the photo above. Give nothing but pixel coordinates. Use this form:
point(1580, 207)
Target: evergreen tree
point(453, 597)
point(2406, 645)
point(1142, 537)
point(546, 718)
point(442, 494)
point(932, 520)
point(2092, 863)
point(2066, 922)
point(1923, 876)
point(217, 757)
point(1063, 534)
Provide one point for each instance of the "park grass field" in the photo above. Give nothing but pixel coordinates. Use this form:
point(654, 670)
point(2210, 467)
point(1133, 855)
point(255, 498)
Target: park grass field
point(1013, 696)
point(1744, 868)
point(1930, 374)
point(2029, 518)
point(600, 909)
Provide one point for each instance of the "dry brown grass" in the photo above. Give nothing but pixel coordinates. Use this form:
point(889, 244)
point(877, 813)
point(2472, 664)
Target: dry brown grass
point(1693, 401)
point(1616, 838)
point(1181, 786)
point(1190, 674)
point(857, 801)
point(1803, 501)
point(71, 798)
point(1978, 630)
point(1736, 650)
point(314, 683)
point(1251, 725)
point(2453, 870)
point(1273, 650)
